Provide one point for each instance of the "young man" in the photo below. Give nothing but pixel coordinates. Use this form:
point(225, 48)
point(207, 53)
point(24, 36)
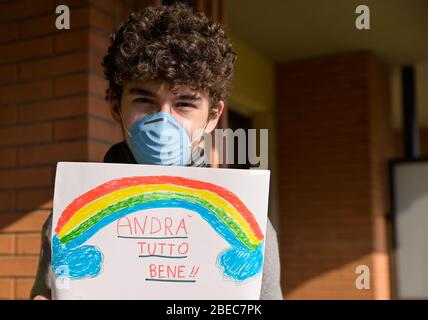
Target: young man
point(169, 70)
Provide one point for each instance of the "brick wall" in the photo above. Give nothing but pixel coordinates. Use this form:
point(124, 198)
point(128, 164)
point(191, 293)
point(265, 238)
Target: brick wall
point(52, 109)
point(382, 148)
point(332, 146)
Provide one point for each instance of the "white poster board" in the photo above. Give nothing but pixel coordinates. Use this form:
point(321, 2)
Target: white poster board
point(410, 192)
point(130, 231)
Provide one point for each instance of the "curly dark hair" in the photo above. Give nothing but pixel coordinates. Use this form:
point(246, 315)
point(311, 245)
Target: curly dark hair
point(172, 44)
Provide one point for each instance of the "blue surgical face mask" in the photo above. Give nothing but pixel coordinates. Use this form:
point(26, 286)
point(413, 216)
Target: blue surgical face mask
point(159, 139)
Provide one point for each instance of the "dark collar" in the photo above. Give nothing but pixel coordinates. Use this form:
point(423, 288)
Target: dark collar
point(120, 153)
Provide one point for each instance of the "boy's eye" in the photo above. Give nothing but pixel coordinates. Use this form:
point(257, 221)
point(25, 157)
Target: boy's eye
point(184, 105)
point(143, 100)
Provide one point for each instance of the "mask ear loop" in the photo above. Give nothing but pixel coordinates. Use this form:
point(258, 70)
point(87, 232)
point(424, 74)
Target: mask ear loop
point(201, 136)
point(121, 121)
point(206, 125)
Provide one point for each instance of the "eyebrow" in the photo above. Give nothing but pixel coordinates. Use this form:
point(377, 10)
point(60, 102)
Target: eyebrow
point(142, 92)
point(191, 97)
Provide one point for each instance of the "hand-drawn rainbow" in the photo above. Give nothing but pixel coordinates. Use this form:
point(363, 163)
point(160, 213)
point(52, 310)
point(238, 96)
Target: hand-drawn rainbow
point(93, 210)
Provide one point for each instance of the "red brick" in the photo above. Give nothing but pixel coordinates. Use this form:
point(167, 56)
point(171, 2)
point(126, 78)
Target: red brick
point(8, 115)
point(53, 66)
point(71, 129)
point(37, 26)
point(52, 153)
point(35, 199)
point(18, 266)
point(109, 132)
point(7, 201)
point(95, 63)
point(26, 49)
point(101, 20)
point(125, 11)
point(24, 8)
point(7, 244)
point(23, 288)
point(9, 32)
point(99, 107)
point(97, 151)
point(97, 85)
point(26, 134)
point(7, 289)
point(103, 130)
point(26, 177)
point(53, 109)
point(99, 41)
point(23, 92)
point(28, 244)
point(80, 17)
point(106, 5)
point(72, 3)
point(27, 222)
point(71, 84)
point(8, 73)
point(7, 158)
point(72, 40)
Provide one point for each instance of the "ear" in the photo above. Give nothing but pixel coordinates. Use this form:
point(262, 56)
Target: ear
point(114, 110)
point(214, 117)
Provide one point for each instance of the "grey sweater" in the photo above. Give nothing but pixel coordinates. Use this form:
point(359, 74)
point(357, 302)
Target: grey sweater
point(120, 153)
